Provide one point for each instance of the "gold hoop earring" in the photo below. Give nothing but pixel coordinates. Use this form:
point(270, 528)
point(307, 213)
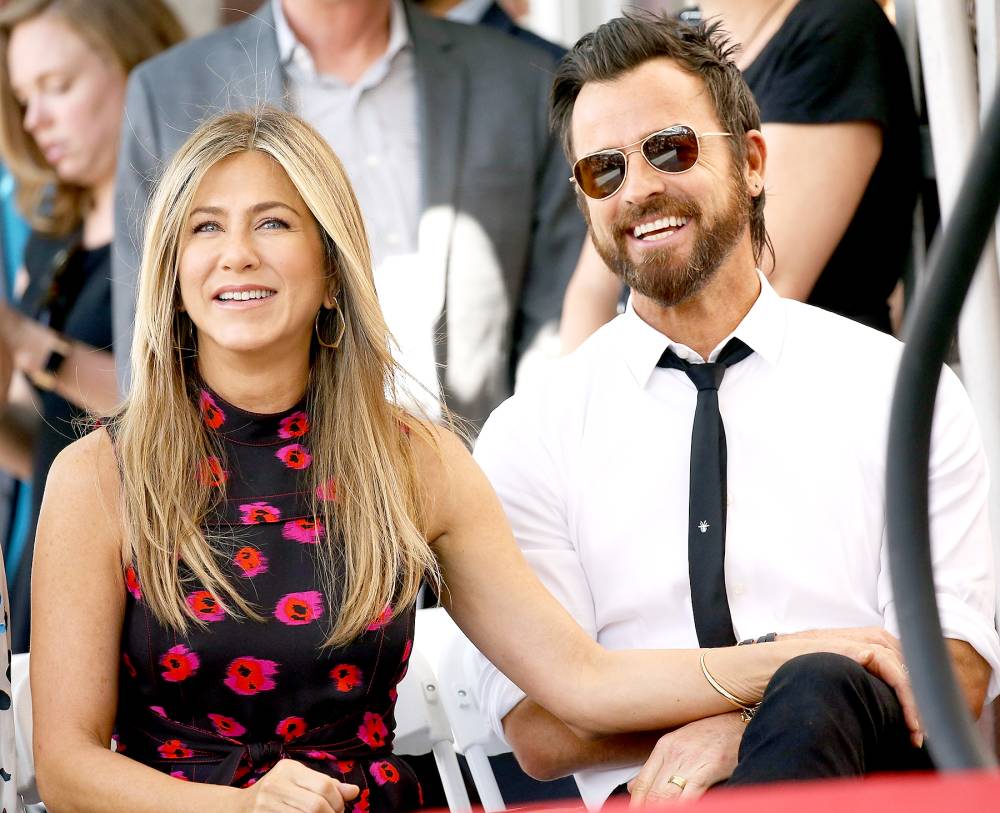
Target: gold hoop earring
point(341, 328)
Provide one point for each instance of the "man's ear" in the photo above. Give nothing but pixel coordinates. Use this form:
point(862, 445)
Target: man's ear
point(756, 161)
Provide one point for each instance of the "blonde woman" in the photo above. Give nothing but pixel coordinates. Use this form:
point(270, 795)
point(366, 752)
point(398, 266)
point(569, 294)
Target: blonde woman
point(225, 572)
point(63, 67)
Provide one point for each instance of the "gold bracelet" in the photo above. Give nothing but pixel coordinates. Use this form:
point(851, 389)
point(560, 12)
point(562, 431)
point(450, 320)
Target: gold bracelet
point(748, 710)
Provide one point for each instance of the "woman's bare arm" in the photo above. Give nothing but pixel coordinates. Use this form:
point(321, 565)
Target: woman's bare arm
point(77, 611)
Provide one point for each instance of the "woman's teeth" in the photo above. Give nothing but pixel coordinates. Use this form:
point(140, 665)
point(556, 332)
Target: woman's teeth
point(261, 293)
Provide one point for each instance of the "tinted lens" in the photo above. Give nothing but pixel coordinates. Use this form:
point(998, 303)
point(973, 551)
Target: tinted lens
point(600, 175)
point(673, 150)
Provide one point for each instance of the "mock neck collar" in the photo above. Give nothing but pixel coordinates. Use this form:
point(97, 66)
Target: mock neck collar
point(242, 426)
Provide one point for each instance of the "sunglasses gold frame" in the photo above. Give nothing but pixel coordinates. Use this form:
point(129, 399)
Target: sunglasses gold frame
point(627, 150)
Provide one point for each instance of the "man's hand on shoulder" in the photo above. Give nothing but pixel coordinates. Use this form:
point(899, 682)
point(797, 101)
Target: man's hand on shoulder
point(701, 754)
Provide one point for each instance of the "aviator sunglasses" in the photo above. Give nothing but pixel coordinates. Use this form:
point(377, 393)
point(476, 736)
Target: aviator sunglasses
point(672, 150)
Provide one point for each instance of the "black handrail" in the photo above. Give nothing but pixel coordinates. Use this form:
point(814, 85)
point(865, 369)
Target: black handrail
point(950, 735)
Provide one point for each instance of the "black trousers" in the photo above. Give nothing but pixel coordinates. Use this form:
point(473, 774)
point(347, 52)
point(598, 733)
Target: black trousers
point(824, 716)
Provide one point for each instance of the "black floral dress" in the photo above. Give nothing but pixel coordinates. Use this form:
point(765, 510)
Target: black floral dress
point(223, 704)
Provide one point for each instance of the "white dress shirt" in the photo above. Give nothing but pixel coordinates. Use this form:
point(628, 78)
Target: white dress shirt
point(593, 471)
point(372, 126)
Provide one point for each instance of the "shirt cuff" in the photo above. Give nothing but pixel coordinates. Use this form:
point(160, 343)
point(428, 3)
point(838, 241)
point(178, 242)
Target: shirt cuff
point(497, 695)
point(963, 623)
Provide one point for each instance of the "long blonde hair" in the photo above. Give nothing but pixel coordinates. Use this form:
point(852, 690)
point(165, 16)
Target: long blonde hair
point(375, 552)
point(125, 32)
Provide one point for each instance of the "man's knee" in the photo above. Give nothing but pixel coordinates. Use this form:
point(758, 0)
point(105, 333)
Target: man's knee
point(819, 676)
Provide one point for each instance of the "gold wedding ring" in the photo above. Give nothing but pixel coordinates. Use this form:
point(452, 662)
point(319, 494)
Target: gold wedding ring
point(680, 781)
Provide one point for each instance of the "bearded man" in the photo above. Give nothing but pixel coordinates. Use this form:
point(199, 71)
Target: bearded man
point(708, 468)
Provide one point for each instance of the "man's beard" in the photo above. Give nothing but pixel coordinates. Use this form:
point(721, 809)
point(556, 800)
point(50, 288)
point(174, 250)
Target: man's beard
point(661, 274)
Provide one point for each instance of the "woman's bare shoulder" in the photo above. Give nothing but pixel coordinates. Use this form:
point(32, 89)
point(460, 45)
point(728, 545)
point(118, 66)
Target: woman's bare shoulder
point(85, 476)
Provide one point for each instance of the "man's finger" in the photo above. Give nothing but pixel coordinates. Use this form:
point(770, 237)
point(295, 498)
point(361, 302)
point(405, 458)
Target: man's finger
point(640, 786)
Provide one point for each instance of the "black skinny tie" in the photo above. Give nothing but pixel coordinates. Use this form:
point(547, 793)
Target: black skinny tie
point(707, 499)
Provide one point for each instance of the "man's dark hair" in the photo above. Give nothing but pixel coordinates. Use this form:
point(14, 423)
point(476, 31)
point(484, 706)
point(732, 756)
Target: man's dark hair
point(626, 42)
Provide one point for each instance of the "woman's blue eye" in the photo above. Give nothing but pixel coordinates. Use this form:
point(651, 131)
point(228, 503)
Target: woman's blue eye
point(275, 222)
point(207, 226)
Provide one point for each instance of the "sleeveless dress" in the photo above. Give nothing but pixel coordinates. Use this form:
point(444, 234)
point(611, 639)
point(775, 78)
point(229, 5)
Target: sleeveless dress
point(223, 704)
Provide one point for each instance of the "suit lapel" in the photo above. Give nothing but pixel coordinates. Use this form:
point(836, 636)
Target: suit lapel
point(252, 66)
point(441, 107)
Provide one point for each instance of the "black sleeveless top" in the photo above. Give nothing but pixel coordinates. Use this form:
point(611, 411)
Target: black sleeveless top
point(224, 703)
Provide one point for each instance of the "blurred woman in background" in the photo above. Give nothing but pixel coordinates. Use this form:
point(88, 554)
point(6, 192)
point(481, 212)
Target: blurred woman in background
point(63, 67)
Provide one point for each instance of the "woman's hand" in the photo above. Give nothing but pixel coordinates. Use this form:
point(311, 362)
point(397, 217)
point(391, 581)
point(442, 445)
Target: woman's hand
point(28, 342)
point(290, 785)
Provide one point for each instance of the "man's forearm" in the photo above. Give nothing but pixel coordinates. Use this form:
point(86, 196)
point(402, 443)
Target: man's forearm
point(547, 749)
point(972, 672)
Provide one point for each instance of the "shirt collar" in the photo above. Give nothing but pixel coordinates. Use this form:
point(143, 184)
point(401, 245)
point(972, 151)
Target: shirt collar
point(290, 50)
point(469, 11)
point(763, 329)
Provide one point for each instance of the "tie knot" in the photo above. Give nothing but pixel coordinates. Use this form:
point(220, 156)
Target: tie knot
point(706, 376)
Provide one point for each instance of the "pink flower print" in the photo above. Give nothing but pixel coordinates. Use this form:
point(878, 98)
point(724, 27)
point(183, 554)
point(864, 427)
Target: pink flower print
point(291, 728)
point(296, 609)
point(250, 561)
point(345, 676)
point(384, 618)
point(306, 531)
point(248, 675)
point(175, 749)
point(327, 492)
point(210, 412)
point(319, 755)
point(393, 695)
point(159, 711)
point(226, 726)
point(205, 606)
point(258, 513)
point(345, 766)
point(373, 731)
point(294, 426)
point(407, 650)
point(132, 583)
point(384, 772)
point(179, 663)
point(361, 805)
point(295, 456)
point(211, 473)
point(180, 775)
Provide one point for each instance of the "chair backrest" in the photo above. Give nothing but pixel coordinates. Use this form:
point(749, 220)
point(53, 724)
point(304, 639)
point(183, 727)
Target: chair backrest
point(422, 726)
point(472, 734)
point(21, 698)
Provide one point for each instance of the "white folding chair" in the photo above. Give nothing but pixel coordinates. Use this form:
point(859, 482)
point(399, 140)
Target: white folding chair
point(422, 726)
point(21, 698)
point(472, 735)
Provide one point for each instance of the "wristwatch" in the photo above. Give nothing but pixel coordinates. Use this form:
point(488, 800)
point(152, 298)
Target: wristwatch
point(46, 377)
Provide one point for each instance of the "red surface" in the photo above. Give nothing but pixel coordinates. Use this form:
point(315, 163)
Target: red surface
point(922, 793)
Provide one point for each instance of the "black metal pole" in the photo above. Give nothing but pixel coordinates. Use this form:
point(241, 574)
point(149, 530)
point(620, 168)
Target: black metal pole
point(950, 734)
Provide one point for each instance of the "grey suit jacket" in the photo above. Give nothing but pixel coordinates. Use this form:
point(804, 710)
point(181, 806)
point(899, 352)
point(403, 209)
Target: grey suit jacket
point(497, 210)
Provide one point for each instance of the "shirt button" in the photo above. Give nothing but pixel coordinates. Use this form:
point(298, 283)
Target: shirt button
point(372, 160)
